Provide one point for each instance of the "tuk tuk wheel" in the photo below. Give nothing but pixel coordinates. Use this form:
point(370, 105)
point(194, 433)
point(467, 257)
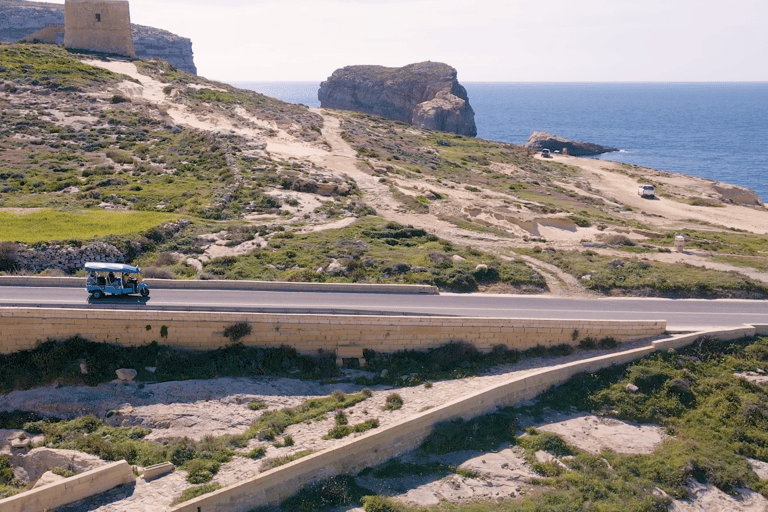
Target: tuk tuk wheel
point(98, 294)
point(144, 292)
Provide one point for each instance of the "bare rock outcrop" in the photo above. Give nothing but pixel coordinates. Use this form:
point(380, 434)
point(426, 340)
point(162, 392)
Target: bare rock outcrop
point(543, 140)
point(427, 95)
point(19, 19)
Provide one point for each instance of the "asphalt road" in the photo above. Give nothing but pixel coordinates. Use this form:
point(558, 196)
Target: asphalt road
point(680, 314)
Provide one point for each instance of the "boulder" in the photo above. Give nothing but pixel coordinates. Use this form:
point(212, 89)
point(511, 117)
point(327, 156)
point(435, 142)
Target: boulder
point(426, 95)
point(543, 140)
point(126, 374)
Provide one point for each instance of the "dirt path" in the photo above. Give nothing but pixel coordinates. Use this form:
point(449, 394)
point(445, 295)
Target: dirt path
point(613, 183)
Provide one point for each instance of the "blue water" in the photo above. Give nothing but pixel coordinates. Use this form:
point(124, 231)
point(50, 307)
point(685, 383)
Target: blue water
point(711, 130)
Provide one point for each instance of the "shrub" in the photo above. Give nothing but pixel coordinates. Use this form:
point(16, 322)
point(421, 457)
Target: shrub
point(200, 471)
point(158, 273)
point(194, 492)
point(378, 503)
point(339, 491)
point(236, 332)
point(257, 405)
point(393, 402)
point(256, 453)
point(9, 257)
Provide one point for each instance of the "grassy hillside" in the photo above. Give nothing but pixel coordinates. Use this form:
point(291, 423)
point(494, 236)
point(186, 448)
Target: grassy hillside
point(79, 141)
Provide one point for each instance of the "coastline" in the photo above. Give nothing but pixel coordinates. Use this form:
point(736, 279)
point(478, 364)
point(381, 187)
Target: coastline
point(726, 150)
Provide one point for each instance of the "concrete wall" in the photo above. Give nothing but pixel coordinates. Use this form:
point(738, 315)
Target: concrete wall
point(377, 446)
point(99, 25)
point(70, 489)
point(22, 328)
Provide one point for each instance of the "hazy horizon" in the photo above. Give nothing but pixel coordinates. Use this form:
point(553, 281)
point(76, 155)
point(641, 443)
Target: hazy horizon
point(486, 41)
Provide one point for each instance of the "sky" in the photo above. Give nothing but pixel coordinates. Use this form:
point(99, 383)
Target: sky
point(485, 40)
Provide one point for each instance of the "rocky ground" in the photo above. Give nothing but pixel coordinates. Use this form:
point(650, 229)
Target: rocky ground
point(198, 408)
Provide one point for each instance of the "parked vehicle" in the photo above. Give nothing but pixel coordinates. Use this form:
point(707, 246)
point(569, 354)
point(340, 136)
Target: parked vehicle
point(115, 279)
point(646, 191)
point(545, 153)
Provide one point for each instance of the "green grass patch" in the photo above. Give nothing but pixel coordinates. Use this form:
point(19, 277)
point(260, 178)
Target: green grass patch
point(49, 66)
point(341, 431)
point(195, 492)
point(273, 423)
point(630, 276)
point(280, 461)
point(51, 225)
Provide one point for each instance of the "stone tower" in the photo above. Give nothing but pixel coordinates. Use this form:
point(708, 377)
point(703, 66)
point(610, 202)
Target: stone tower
point(99, 26)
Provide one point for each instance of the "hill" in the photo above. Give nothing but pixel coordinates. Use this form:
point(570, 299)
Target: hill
point(260, 189)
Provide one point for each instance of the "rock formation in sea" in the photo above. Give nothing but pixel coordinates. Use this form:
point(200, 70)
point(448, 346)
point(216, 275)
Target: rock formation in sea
point(19, 19)
point(543, 140)
point(426, 94)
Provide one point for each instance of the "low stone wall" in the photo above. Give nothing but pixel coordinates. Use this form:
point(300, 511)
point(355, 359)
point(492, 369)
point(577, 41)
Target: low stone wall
point(378, 446)
point(70, 489)
point(181, 284)
point(346, 335)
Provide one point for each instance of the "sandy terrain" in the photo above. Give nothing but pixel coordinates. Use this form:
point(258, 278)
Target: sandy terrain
point(614, 183)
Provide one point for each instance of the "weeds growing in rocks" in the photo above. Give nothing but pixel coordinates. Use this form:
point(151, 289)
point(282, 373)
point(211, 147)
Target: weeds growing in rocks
point(194, 492)
point(279, 461)
point(393, 402)
point(273, 423)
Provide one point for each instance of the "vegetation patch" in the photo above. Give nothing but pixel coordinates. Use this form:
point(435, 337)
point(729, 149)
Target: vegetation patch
point(629, 276)
point(341, 431)
point(339, 491)
point(273, 423)
point(59, 361)
point(451, 361)
point(194, 492)
point(51, 225)
point(279, 461)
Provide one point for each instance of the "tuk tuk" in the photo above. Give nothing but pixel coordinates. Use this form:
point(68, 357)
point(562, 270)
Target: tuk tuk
point(113, 278)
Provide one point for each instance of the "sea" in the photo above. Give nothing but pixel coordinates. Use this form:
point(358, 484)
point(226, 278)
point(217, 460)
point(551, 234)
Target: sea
point(710, 130)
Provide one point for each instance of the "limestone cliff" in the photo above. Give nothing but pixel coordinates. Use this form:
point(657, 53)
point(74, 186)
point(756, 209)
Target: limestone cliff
point(543, 140)
point(426, 95)
point(19, 18)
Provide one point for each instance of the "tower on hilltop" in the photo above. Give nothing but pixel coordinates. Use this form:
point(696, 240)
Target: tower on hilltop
point(99, 26)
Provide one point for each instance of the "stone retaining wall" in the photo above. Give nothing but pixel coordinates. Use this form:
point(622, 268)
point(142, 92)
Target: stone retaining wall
point(70, 489)
point(346, 335)
point(378, 446)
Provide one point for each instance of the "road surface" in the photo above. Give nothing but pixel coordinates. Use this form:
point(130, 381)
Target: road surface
point(680, 314)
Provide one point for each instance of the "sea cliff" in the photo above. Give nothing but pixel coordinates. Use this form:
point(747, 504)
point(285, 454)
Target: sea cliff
point(426, 94)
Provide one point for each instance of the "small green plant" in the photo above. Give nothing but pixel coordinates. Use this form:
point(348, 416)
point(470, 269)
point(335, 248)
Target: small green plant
point(257, 405)
point(393, 402)
point(287, 441)
point(340, 418)
point(378, 503)
point(236, 332)
point(279, 461)
point(194, 492)
point(256, 453)
point(340, 431)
